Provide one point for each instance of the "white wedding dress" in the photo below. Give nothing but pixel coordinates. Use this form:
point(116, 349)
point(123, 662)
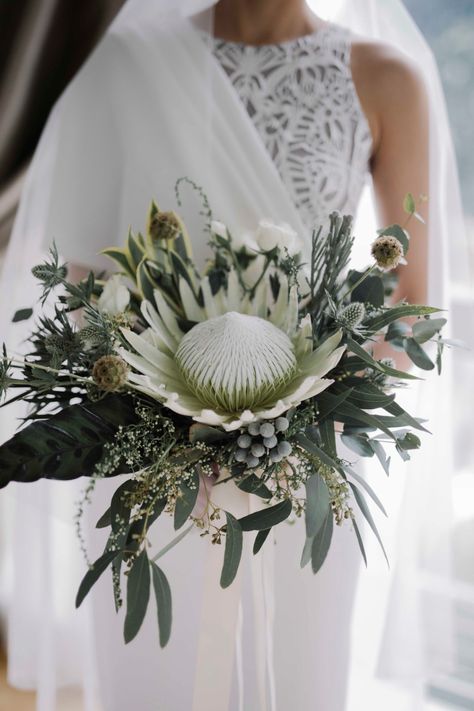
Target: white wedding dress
point(289, 141)
point(302, 100)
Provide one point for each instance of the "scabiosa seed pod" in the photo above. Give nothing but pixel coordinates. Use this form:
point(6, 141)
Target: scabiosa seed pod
point(165, 225)
point(353, 314)
point(387, 252)
point(110, 373)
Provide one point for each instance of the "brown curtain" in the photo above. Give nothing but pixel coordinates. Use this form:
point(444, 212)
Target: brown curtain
point(42, 44)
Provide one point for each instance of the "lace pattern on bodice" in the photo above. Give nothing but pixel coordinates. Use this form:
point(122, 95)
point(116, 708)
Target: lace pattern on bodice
point(302, 100)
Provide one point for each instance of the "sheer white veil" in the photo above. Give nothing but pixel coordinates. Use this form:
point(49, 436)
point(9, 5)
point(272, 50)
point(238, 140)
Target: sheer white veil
point(422, 575)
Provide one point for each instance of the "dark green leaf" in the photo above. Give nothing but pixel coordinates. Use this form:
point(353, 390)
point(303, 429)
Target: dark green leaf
point(252, 484)
point(361, 502)
point(395, 312)
point(260, 539)
point(416, 353)
point(360, 541)
point(68, 444)
point(266, 518)
point(94, 573)
point(358, 443)
point(104, 520)
point(205, 433)
point(321, 543)
point(371, 290)
point(163, 603)
point(409, 441)
point(367, 358)
point(328, 402)
point(188, 493)
point(138, 595)
point(381, 456)
point(233, 550)
point(22, 315)
point(425, 329)
point(317, 504)
point(365, 485)
point(312, 448)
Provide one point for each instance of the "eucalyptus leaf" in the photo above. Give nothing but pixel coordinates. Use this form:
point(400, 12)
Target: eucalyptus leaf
point(22, 315)
point(260, 539)
point(317, 504)
point(205, 433)
point(359, 444)
point(361, 502)
point(94, 573)
point(360, 541)
point(138, 595)
point(252, 484)
point(393, 313)
point(233, 550)
point(322, 543)
point(370, 290)
point(381, 456)
point(365, 485)
point(416, 353)
point(354, 347)
point(186, 500)
point(266, 518)
point(163, 603)
point(409, 441)
point(425, 329)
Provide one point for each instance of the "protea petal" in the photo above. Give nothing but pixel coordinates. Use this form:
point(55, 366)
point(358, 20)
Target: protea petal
point(192, 310)
point(168, 316)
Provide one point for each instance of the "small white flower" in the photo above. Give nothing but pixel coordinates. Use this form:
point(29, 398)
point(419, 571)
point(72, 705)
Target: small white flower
point(270, 235)
point(218, 228)
point(115, 296)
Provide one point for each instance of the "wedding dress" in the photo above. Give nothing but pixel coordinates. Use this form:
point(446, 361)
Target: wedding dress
point(289, 142)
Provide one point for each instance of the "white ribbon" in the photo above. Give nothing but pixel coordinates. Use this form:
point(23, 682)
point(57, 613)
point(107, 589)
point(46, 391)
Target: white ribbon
point(220, 639)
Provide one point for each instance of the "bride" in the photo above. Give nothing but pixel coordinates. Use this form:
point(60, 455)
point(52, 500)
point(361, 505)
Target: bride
point(276, 113)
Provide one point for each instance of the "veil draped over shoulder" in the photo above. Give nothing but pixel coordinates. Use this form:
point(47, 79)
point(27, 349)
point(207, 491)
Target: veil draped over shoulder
point(149, 106)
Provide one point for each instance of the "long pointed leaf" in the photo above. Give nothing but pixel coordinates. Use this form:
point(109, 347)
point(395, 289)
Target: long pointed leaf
point(138, 595)
point(266, 518)
point(233, 550)
point(368, 516)
point(163, 603)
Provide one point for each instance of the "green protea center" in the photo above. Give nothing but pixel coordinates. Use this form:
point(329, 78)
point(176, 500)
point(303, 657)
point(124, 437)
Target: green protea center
point(235, 362)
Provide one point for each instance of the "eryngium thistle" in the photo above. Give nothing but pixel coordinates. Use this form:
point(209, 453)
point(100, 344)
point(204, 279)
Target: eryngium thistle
point(165, 225)
point(352, 315)
point(387, 252)
point(110, 373)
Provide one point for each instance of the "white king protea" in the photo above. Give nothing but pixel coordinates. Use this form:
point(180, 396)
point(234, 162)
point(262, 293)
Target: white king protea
point(244, 360)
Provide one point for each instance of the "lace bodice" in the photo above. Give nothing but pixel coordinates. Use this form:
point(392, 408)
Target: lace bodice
point(302, 100)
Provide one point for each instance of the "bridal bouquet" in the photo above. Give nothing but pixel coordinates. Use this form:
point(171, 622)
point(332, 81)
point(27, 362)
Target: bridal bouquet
point(243, 375)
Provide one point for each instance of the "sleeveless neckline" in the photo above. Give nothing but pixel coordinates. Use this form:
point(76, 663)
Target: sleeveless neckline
point(286, 44)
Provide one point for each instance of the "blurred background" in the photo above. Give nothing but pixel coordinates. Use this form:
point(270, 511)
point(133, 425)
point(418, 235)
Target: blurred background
point(42, 45)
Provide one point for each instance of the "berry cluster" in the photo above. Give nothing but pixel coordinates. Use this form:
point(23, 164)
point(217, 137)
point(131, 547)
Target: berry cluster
point(261, 440)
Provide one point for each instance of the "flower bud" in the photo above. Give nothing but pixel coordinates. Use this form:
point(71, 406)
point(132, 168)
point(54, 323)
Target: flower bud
point(387, 252)
point(110, 373)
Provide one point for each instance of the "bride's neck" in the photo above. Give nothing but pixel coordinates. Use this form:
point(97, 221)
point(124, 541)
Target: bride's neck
point(263, 21)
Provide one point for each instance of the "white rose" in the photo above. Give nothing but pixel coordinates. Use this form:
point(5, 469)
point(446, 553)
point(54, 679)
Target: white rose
point(115, 296)
point(218, 228)
point(270, 235)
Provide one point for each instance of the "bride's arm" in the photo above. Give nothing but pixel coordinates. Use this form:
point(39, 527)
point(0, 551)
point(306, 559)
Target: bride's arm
point(393, 97)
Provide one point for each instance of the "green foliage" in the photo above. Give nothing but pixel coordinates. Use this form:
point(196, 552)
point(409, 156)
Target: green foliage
point(67, 445)
point(233, 550)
